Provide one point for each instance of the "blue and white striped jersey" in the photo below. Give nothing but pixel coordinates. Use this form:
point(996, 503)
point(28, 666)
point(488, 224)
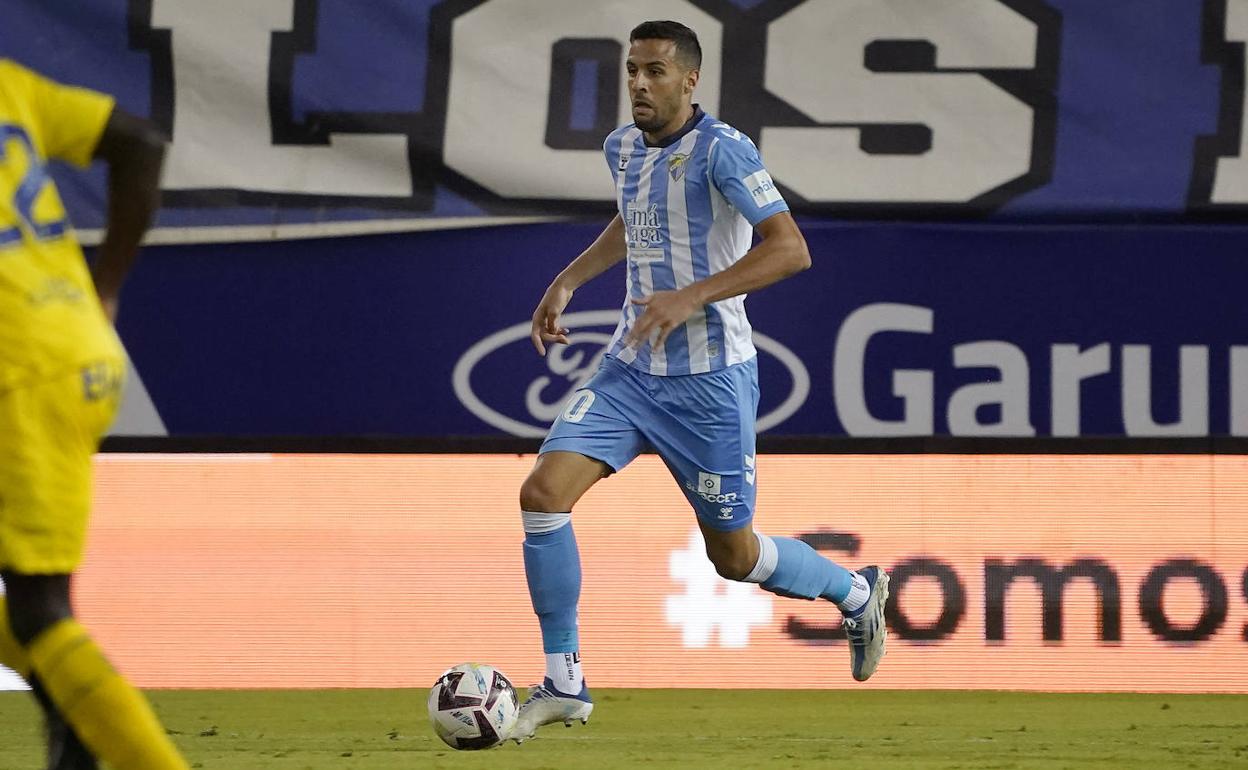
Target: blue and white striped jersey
point(689, 206)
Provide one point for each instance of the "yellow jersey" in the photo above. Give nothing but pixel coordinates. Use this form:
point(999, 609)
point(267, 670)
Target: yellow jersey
point(50, 316)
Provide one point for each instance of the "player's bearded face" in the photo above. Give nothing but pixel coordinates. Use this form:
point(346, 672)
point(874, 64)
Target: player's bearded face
point(659, 87)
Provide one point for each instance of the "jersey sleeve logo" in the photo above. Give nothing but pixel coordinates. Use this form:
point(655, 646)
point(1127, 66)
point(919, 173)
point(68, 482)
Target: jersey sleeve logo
point(761, 188)
point(728, 130)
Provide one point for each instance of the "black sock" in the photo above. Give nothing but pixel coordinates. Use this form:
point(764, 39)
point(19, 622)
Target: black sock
point(65, 750)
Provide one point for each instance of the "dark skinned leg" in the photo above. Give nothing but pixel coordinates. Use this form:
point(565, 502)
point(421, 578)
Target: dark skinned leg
point(35, 603)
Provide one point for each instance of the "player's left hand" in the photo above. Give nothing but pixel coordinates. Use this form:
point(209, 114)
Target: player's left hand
point(665, 312)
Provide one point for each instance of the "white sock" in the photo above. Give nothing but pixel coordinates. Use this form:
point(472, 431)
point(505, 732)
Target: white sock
point(768, 557)
point(564, 670)
point(859, 592)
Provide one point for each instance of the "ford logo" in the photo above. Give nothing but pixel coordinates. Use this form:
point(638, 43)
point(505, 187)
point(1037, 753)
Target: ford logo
point(504, 382)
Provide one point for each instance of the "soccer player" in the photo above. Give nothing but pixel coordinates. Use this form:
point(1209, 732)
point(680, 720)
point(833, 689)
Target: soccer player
point(680, 373)
point(61, 372)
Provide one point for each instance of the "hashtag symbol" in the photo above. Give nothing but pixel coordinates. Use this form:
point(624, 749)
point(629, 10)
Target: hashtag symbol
point(711, 603)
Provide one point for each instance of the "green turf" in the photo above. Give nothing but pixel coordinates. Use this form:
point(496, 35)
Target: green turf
point(365, 729)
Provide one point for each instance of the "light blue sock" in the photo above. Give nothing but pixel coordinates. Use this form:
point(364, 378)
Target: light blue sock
point(802, 573)
point(552, 566)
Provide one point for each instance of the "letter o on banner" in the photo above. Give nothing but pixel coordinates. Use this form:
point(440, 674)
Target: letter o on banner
point(1213, 600)
point(498, 100)
point(952, 593)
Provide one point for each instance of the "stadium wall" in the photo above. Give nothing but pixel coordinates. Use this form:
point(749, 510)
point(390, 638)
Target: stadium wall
point(1009, 572)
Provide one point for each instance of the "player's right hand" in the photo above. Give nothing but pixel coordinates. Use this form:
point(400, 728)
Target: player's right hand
point(546, 328)
point(109, 303)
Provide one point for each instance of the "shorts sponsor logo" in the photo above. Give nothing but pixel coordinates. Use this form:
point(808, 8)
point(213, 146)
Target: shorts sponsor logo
point(501, 381)
point(709, 482)
point(709, 488)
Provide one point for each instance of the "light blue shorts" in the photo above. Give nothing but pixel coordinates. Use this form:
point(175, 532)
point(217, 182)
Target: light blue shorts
point(702, 425)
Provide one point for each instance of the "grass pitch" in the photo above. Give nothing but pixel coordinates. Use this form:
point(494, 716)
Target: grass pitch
point(725, 729)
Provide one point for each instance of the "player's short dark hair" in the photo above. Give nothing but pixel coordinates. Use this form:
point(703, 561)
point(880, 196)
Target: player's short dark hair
point(688, 50)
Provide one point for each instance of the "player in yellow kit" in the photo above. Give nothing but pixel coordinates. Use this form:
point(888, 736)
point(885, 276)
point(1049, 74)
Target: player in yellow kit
point(61, 373)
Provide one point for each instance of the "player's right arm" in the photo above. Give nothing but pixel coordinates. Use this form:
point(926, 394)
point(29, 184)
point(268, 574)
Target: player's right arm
point(607, 249)
point(134, 149)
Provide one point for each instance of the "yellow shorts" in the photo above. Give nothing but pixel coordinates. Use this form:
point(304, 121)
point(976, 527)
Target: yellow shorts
point(48, 433)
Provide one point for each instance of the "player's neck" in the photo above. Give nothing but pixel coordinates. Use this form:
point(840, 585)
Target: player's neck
point(675, 124)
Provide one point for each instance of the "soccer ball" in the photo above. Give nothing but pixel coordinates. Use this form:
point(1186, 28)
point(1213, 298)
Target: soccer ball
point(473, 706)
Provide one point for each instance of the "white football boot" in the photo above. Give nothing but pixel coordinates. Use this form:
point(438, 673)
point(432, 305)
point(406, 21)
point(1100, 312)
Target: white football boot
point(546, 706)
point(866, 629)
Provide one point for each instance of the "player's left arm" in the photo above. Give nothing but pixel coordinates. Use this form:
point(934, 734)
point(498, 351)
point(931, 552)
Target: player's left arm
point(134, 149)
point(780, 253)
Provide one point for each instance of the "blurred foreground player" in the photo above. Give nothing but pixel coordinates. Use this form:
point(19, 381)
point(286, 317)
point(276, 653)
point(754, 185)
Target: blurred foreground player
point(680, 373)
point(61, 373)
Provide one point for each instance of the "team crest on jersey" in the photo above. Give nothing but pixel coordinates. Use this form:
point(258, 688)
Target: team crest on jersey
point(676, 166)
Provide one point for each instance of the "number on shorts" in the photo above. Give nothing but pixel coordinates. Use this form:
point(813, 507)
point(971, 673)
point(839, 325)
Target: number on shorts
point(579, 406)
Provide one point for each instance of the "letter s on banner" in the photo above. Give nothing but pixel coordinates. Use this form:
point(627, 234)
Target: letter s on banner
point(1220, 176)
point(906, 65)
point(496, 122)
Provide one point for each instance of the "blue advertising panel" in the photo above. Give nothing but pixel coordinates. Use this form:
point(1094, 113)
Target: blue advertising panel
point(1022, 212)
point(903, 329)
